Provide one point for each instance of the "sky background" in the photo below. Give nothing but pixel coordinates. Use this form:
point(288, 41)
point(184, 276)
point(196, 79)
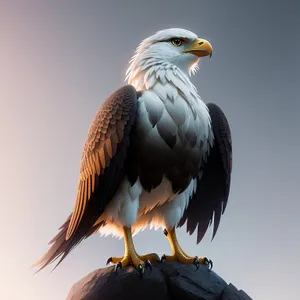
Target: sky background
point(59, 60)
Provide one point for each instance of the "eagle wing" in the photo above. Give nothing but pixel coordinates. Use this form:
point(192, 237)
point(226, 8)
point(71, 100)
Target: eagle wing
point(106, 143)
point(213, 181)
point(102, 169)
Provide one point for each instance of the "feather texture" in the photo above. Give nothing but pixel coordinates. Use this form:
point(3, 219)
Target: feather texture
point(100, 174)
point(149, 158)
point(209, 201)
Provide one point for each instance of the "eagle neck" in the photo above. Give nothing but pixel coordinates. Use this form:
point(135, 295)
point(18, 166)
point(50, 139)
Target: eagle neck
point(168, 82)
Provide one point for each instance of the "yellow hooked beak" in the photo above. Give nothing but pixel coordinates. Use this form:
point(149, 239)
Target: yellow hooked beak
point(200, 48)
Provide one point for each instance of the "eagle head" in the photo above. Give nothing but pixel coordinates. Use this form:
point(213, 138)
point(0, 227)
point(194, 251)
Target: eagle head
point(169, 48)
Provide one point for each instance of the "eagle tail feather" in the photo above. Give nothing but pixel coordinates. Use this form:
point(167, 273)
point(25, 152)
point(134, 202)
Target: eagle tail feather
point(60, 247)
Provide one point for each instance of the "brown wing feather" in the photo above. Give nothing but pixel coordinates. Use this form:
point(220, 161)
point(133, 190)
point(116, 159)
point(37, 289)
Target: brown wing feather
point(102, 169)
point(210, 199)
point(112, 117)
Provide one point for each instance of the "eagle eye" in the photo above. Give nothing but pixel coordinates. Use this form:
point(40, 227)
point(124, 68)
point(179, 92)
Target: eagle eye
point(176, 42)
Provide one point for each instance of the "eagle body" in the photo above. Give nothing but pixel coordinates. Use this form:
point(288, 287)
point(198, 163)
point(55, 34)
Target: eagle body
point(155, 155)
point(156, 189)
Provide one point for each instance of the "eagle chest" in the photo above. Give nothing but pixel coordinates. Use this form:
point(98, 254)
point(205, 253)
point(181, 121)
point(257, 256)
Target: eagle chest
point(164, 142)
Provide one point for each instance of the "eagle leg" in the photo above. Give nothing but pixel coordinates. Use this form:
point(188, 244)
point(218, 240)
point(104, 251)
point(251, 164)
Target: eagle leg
point(179, 255)
point(131, 257)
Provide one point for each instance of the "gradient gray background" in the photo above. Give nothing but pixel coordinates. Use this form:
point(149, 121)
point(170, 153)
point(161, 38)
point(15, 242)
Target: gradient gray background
point(60, 59)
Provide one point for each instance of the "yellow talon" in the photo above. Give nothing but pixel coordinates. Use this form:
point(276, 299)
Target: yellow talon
point(180, 255)
point(131, 257)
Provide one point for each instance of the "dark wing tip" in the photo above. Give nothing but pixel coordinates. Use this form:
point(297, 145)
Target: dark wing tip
point(210, 199)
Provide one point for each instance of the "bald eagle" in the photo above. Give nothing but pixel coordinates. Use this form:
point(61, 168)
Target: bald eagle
point(155, 155)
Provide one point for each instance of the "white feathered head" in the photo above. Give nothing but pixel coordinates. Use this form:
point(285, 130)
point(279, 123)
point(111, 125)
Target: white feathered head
point(170, 48)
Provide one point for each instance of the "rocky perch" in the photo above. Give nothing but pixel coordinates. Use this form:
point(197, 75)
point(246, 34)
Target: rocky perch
point(166, 281)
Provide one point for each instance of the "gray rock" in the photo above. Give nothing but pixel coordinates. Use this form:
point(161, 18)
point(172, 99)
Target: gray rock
point(166, 281)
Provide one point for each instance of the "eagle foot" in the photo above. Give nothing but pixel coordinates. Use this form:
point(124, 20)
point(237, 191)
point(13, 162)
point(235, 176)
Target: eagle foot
point(189, 260)
point(180, 255)
point(131, 258)
point(139, 262)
